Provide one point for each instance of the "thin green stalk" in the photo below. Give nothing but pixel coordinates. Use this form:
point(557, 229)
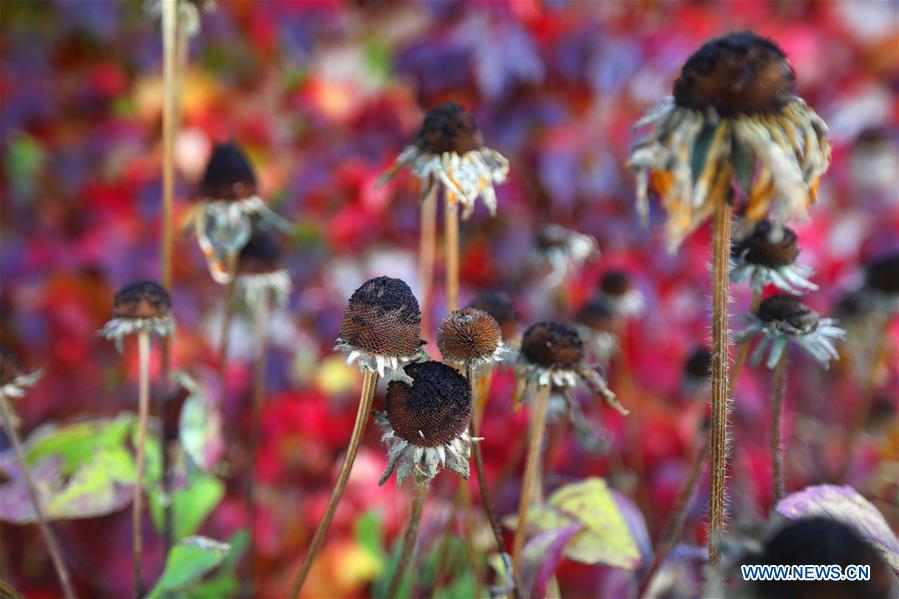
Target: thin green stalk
point(410, 536)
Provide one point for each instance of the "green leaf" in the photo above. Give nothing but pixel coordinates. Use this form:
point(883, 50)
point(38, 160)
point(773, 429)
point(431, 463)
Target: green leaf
point(24, 159)
point(368, 532)
point(187, 562)
point(190, 505)
point(78, 443)
point(225, 582)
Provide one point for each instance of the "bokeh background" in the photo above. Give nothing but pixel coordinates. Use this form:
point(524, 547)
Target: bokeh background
point(323, 95)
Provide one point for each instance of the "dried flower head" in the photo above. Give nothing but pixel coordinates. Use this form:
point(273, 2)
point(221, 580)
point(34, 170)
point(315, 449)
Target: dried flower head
point(882, 282)
point(381, 327)
point(471, 337)
point(141, 307)
point(553, 353)
point(499, 305)
point(598, 322)
point(784, 318)
point(223, 220)
point(449, 150)
point(767, 256)
point(625, 299)
point(426, 423)
point(563, 250)
point(698, 369)
point(13, 382)
point(260, 274)
point(733, 114)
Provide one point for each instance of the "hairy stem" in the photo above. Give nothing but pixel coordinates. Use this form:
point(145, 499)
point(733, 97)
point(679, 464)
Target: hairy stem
point(169, 116)
point(143, 409)
point(262, 320)
point(780, 385)
point(49, 538)
point(426, 250)
point(369, 382)
point(452, 254)
point(531, 470)
point(718, 441)
point(419, 492)
point(743, 348)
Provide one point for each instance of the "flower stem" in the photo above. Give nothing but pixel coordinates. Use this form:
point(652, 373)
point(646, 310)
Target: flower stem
point(452, 255)
point(743, 351)
point(169, 115)
point(532, 466)
point(49, 538)
point(780, 385)
point(226, 321)
point(143, 342)
point(718, 441)
point(369, 382)
point(262, 320)
point(426, 251)
point(419, 492)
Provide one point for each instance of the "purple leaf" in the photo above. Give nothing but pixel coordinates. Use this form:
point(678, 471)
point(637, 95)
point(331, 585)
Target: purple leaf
point(542, 555)
point(636, 523)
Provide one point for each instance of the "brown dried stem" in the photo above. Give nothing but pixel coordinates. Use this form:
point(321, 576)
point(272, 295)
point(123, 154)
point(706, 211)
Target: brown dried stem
point(780, 385)
point(426, 251)
point(262, 320)
point(410, 536)
point(143, 409)
point(452, 254)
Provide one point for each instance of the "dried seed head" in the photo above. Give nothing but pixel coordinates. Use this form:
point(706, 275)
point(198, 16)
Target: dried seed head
point(699, 364)
point(598, 314)
point(499, 305)
point(883, 274)
point(768, 245)
point(435, 410)
point(740, 73)
point(552, 345)
point(10, 367)
point(551, 236)
point(144, 299)
point(852, 305)
point(261, 254)
point(383, 317)
point(448, 128)
point(616, 283)
point(468, 335)
point(229, 175)
point(789, 310)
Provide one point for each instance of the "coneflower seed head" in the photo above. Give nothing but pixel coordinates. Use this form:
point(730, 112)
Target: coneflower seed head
point(144, 299)
point(766, 246)
point(552, 345)
point(789, 310)
point(698, 365)
point(598, 314)
point(229, 175)
point(448, 128)
point(468, 334)
point(261, 254)
point(883, 274)
point(615, 282)
point(433, 411)
point(383, 317)
point(10, 367)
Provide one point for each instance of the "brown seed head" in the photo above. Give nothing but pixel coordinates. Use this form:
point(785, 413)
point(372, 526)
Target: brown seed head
point(740, 73)
point(883, 274)
point(499, 305)
point(552, 345)
point(229, 175)
point(468, 335)
point(616, 283)
point(383, 317)
point(768, 245)
point(261, 254)
point(789, 310)
point(598, 314)
point(435, 410)
point(144, 299)
point(448, 128)
point(698, 365)
point(10, 367)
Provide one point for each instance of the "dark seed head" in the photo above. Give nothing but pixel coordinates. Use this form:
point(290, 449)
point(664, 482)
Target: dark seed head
point(467, 335)
point(788, 310)
point(552, 345)
point(435, 410)
point(699, 364)
point(852, 305)
point(448, 128)
point(598, 314)
point(261, 254)
point(229, 175)
point(10, 367)
point(551, 236)
point(144, 299)
point(383, 317)
point(740, 73)
point(883, 274)
point(768, 245)
point(499, 305)
point(615, 283)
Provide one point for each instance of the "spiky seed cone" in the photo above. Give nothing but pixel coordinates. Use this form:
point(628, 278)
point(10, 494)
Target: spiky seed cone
point(144, 299)
point(790, 310)
point(261, 254)
point(433, 411)
point(448, 128)
point(468, 335)
point(229, 174)
point(883, 274)
point(499, 305)
point(768, 245)
point(383, 317)
point(552, 345)
point(740, 73)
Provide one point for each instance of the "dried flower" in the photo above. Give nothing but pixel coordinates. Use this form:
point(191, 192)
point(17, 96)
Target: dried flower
point(598, 321)
point(882, 282)
point(142, 307)
point(381, 328)
point(499, 305)
point(767, 256)
point(784, 318)
point(449, 149)
point(426, 423)
point(563, 250)
point(734, 112)
point(625, 299)
point(223, 220)
point(471, 337)
point(260, 275)
point(698, 369)
point(13, 382)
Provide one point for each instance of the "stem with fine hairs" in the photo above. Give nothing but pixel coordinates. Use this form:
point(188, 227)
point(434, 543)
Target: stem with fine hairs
point(369, 382)
point(675, 526)
point(777, 457)
point(743, 347)
point(49, 538)
point(531, 472)
point(426, 250)
point(452, 254)
point(410, 536)
point(718, 441)
point(143, 343)
point(262, 320)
